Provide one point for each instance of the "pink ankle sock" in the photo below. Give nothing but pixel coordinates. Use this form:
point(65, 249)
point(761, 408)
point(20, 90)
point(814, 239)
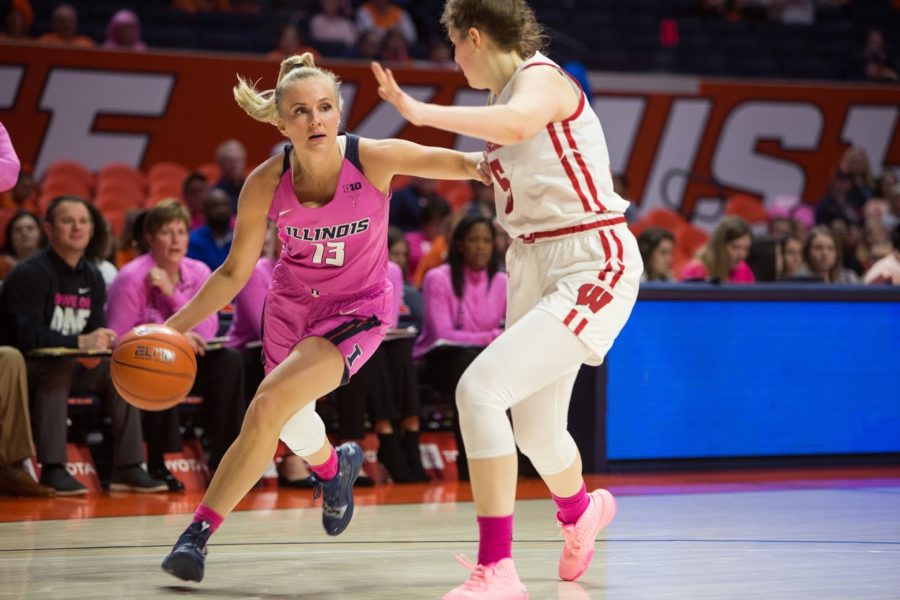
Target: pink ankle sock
point(494, 539)
point(328, 469)
point(205, 513)
point(572, 507)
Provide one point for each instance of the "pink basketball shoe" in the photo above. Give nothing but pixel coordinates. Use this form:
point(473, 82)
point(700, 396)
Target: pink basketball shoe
point(581, 535)
point(497, 581)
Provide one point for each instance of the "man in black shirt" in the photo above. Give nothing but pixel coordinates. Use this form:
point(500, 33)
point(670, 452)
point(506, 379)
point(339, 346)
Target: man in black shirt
point(55, 298)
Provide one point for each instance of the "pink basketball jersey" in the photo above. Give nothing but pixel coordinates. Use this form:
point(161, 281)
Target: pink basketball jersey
point(339, 248)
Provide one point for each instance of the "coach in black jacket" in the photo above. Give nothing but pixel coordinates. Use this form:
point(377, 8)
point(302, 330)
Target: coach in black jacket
point(56, 298)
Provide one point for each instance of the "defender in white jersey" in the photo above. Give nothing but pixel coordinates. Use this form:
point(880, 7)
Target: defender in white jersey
point(574, 269)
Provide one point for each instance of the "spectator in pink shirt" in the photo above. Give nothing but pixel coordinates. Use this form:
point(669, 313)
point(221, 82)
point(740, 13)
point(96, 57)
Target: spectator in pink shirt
point(465, 306)
point(9, 162)
point(150, 289)
point(723, 259)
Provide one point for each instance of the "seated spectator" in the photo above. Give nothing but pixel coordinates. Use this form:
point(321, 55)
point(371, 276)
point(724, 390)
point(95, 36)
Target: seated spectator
point(17, 21)
point(101, 248)
point(193, 190)
point(16, 441)
point(886, 183)
point(792, 257)
point(55, 298)
point(150, 289)
point(408, 202)
point(231, 157)
point(394, 47)
point(822, 254)
point(382, 16)
point(331, 24)
point(64, 29)
point(131, 242)
point(24, 237)
point(465, 306)
point(437, 254)
point(765, 259)
point(875, 243)
point(23, 196)
point(855, 162)
point(431, 226)
point(722, 259)
point(367, 46)
point(290, 42)
point(887, 270)
point(874, 63)
point(440, 55)
point(412, 306)
point(124, 32)
point(657, 246)
point(843, 201)
point(211, 242)
point(386, 388)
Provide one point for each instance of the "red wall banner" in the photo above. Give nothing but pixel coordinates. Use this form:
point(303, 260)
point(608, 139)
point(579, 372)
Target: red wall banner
point(766, 139)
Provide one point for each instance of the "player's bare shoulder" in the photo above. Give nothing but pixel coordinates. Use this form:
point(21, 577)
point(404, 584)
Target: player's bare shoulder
point(377, 158)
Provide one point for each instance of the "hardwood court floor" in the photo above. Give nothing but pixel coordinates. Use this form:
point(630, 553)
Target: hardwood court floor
point(815, 533)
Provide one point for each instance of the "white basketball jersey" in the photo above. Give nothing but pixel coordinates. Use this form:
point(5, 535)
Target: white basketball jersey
point(558, 178)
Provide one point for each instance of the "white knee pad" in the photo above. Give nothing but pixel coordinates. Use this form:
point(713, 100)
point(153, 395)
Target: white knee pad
point(304, 433)
point(550, 452)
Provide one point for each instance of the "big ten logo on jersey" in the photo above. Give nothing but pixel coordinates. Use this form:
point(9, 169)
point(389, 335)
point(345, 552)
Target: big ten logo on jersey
point(353, 187)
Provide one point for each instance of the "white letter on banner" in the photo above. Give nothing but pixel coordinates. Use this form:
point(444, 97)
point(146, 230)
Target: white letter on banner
point(384, 121)
point(76, 97)
point(10, 78)
point(871, 127)
point(677, 150)
point(796, 125)
point(621, 120)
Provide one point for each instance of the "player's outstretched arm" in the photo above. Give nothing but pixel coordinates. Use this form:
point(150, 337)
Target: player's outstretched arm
point(539, 96)
point(383, 159)
point(246, 246)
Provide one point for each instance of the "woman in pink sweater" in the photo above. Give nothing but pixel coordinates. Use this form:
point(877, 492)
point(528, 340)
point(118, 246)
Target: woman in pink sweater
point(150, 289)
point(723, 259)
point(465, 306)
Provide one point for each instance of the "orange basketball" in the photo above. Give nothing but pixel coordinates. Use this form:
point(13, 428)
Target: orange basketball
point(153, 367)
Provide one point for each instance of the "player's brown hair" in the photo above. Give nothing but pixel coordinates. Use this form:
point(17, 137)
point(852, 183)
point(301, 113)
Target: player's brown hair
point(510, 23)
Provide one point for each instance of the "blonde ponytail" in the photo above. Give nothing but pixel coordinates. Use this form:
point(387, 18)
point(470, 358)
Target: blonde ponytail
point(264, 105)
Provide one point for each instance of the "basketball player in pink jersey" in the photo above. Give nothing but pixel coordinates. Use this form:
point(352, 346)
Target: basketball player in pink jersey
point(330, 300)
point(574, 269)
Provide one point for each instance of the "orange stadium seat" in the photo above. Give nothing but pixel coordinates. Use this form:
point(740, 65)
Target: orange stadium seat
point(638, 227)
point(167, 170)
point(59, 184)
point(121, 170)
point(689, 239)
point(72, 170)
point(667, 219)
point(111, 202)
point(457, 193)
point(116, 220)
point(748, 207)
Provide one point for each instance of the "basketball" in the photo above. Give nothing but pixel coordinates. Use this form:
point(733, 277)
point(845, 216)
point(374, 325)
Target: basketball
point(153, 367)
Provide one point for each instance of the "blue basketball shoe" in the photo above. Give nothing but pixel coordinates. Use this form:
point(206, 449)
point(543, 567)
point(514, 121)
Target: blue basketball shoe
point(337, 492)
point(186, 559)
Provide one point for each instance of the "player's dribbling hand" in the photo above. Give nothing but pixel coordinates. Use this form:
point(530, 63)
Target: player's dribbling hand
point(197, 342)
point(389, 91)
